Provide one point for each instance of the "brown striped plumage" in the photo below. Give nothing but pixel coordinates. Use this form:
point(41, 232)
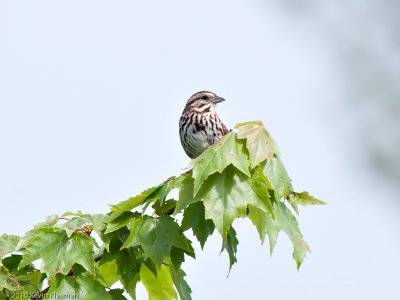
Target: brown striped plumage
point(199, 125)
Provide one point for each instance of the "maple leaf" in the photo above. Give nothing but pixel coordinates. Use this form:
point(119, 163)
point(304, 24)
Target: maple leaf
point(158, 287)
point(58, 252)
point(278, 177)
point(226, 196)
point(8, 244)
point(157, 236)
point(258, 141)
point(82, 287)
point(228, 151)
point(194, 218)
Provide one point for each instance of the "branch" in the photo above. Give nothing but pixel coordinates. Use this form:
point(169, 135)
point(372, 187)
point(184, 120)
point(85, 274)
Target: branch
point(6, 295)
point(245, 165)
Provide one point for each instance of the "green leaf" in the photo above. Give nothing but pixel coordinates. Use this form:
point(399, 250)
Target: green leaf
point(278, 177)
point(178, 277)
point(167, 186)
point(304, 199)
point(49, 223)
point(265, 225)
point(130, 204)
point(12, 262)
point(70, 213)
point(78, 287)
point(128, 263)
point(228, 151)
point(292, 200)
point(288, 223)
point(31, 234)
point(27, 277)
point(58, 252)
point(108, 273)
point(185, 194)
point(285, 221)
point(125, 219)
point(31, 282)
point(166, 208)
point(226, 197)
point(117, 294)
point(95, 222)
point(156, 236)
point(230, 245)
point(258, 141)
point(194, 218)
point(177, 257)
point(260, 185)
point(8, 281)
point(159, 196)
point(160, 287)
point(8, 244)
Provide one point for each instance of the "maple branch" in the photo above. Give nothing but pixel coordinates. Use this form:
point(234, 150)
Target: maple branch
point(6, 295)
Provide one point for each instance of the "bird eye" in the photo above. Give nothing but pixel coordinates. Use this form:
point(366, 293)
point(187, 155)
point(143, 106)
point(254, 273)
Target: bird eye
point(205, 97)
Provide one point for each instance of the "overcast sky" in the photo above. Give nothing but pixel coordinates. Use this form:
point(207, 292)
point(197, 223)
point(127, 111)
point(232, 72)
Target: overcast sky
point(90, 97)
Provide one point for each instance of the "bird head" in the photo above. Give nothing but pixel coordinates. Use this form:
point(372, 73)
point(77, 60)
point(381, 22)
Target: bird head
point(203, 101)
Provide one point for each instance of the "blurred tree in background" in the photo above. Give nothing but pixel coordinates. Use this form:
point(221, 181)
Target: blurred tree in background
point(364, 36)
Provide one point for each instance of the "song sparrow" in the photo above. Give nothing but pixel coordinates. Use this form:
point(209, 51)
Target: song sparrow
point(199, 125)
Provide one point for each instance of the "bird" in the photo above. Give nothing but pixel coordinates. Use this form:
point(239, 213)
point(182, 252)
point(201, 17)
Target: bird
point(199, 125)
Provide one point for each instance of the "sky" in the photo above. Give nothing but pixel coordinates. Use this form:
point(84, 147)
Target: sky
point(91, 94)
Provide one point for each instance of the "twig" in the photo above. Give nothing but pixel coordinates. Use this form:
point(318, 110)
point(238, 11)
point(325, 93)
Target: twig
point(6, 295)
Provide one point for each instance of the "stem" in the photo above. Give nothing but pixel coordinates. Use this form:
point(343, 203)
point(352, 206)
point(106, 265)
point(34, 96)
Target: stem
point(6, 295)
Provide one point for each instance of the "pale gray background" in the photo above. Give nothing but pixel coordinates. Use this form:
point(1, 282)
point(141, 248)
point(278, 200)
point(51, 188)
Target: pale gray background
point(91, 93)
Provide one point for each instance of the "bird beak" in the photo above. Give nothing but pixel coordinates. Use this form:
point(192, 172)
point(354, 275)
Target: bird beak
point(218, 100)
